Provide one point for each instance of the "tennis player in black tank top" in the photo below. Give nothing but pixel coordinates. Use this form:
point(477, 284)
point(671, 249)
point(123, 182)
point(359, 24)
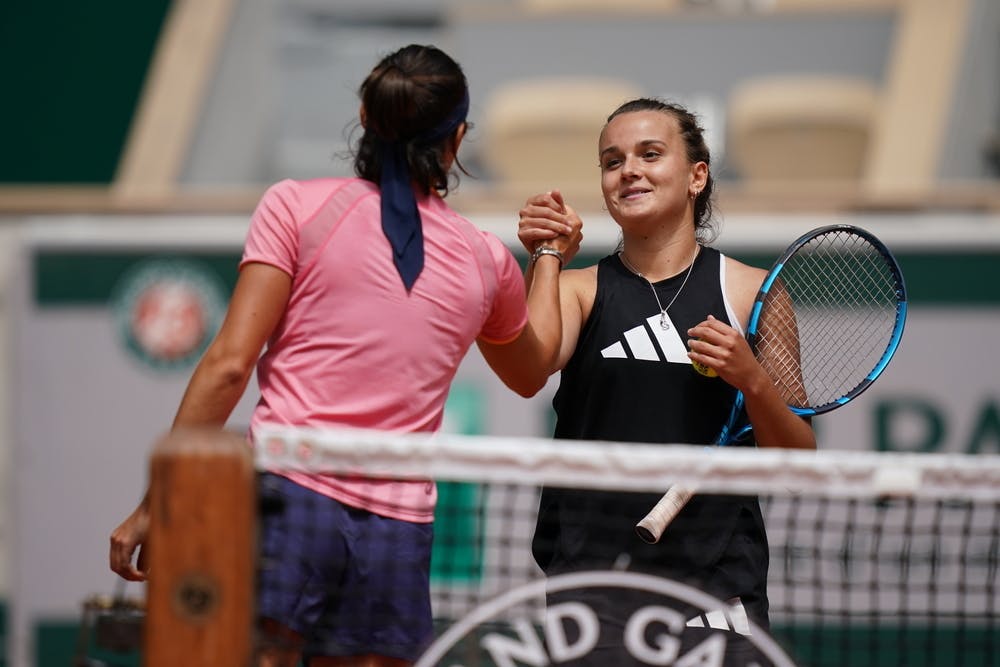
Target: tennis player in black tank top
point(632, 326)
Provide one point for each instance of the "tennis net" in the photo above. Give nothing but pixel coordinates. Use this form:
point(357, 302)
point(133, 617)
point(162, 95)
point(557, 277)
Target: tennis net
point(874, 558)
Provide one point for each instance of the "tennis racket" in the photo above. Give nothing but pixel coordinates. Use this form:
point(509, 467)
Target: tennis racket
point(824, 325)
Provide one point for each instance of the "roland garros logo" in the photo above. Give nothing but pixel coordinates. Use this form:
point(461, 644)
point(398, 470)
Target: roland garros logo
point(167, 311)
point(651, 636)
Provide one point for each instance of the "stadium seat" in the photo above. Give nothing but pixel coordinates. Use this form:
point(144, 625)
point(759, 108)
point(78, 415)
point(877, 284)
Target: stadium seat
point(542, 133)
point(796, 129)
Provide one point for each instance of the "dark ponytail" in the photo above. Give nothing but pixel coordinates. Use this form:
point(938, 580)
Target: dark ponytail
point(405, 97)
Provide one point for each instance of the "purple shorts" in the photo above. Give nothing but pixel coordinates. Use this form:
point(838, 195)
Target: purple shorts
point(351, 582)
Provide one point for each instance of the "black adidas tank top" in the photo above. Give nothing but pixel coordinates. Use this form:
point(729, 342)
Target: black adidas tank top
point(630, 380)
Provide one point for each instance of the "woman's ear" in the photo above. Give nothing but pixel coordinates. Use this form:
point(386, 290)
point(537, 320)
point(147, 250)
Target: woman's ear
point(363, 116)
point(699, 176)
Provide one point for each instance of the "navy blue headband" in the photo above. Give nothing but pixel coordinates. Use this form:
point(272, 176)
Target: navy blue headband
point(400, 217)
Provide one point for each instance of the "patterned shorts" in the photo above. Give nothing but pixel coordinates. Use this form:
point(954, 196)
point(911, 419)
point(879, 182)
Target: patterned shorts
point(351, 582)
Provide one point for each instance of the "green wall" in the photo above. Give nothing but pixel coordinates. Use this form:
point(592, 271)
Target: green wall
point(86, 277)
point(72, 74)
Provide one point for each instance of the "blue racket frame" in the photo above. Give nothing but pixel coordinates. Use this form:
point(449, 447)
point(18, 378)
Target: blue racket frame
point(726, 436)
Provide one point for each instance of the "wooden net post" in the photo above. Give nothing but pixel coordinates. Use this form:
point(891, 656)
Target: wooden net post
point(201, 551)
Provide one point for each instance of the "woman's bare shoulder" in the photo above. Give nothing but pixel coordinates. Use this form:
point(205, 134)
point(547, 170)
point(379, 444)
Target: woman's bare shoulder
point(742, 284)
point(744, 273)
point(582, 276)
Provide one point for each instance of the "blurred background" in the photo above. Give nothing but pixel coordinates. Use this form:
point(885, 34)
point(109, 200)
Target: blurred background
point(137, 137)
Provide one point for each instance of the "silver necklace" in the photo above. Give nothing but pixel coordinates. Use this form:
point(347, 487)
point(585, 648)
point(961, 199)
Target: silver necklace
point(664, 323)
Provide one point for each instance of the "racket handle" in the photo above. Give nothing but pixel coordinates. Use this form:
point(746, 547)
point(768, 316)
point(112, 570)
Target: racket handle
point(673, 501)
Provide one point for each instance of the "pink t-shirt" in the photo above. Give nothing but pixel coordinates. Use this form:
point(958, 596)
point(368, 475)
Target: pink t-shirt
point(354, 349)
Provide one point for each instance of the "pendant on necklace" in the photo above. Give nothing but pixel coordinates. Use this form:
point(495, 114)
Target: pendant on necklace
point(664, 322)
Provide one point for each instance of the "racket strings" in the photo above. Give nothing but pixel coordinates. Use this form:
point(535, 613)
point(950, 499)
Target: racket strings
point(828, 320)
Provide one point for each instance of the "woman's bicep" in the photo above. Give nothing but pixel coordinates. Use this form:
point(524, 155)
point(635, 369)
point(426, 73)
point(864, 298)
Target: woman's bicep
point(256, 307)
point(577, 291)
point(572, 321)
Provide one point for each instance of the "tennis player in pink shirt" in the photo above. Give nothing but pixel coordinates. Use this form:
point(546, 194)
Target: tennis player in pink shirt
point(357, 299)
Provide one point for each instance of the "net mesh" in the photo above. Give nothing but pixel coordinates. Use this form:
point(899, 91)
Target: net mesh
point(874, 558)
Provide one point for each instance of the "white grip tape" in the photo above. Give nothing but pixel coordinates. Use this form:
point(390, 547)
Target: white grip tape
point(673, 501)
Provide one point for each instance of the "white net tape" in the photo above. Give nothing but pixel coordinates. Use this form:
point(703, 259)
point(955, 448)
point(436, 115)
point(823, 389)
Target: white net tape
point(629, 466)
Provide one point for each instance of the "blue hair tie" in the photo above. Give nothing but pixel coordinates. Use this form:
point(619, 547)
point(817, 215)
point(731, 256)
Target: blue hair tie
point(400, 216)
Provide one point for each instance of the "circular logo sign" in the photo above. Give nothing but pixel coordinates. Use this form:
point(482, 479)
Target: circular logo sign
point(168, 310)
point(675, 626)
